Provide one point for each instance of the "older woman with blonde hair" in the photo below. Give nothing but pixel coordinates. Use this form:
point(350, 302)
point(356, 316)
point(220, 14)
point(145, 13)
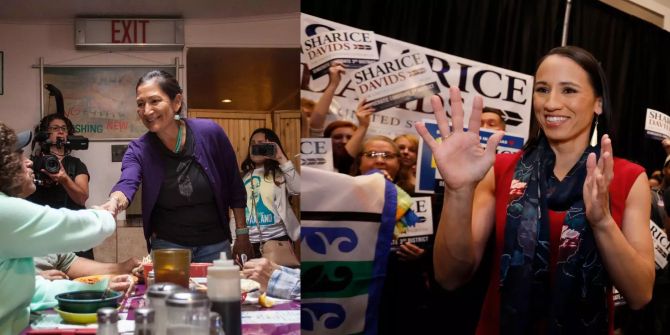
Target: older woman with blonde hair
point(404, 296)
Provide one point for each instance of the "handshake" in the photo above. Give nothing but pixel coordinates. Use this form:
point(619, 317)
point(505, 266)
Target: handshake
point(117, 202)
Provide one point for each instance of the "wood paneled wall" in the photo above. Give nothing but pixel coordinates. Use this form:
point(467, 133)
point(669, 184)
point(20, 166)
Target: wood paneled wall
point(239, 125)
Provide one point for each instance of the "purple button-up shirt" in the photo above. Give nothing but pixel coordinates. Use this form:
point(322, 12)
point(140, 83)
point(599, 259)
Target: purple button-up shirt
point(144, 163)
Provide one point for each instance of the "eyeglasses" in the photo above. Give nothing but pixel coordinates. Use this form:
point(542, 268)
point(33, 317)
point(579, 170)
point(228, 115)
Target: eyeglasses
point(383, 154)
point(54, 129)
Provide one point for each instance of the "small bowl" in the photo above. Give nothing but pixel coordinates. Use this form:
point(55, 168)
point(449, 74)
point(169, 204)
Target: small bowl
point(78, 318)
point(87, 301)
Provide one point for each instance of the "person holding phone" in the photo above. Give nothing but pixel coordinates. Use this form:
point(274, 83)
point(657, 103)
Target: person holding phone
point(269, 178)
point(189, 176)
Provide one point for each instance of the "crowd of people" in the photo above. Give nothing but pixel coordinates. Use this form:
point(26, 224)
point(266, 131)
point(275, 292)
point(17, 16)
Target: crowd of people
point(530, 242)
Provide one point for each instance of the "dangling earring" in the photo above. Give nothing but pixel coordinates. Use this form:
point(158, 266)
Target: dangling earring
point(594, 137)
point(177, 117)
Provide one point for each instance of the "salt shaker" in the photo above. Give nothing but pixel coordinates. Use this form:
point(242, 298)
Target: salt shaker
point(144, 321)
point(151, 278)
point(156, 296)
point(108, 319)
point(188, 313)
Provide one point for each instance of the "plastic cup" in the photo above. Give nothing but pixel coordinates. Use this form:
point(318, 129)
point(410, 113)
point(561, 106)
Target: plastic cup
point(172, 266)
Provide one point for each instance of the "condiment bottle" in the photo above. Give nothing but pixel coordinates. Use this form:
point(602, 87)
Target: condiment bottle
point(223, 290)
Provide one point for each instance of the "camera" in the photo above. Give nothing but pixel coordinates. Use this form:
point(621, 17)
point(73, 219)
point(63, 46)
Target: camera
point(50, 162)
point(263, 149)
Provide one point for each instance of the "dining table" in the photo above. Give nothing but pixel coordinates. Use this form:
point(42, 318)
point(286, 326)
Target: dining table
point(283, 317)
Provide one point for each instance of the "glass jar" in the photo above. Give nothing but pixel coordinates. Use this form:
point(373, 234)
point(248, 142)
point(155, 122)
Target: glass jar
point(188, 313)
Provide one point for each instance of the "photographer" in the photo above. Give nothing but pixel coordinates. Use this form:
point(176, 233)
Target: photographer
point(62, 185)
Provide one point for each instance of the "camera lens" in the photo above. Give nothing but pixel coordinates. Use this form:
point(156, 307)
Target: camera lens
point(51, 164)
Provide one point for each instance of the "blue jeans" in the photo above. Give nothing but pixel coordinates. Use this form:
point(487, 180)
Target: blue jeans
point(201, 254)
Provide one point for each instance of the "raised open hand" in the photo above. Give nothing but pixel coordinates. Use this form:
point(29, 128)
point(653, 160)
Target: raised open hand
point(597, 183)
point(461, 160)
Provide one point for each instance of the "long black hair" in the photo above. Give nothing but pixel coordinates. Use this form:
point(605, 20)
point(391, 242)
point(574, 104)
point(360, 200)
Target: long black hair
point(271, 165)
point(598, 81)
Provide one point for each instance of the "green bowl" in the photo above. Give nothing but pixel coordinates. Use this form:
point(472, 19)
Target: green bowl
point(87, 301)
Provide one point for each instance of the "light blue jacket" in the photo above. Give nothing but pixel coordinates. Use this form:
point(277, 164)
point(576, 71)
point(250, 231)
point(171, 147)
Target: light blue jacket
point(28, 230)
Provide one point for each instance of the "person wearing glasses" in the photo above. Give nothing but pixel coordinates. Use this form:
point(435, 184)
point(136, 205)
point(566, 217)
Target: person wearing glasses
point(405, 294)
point(68, 187)
point(346, 137)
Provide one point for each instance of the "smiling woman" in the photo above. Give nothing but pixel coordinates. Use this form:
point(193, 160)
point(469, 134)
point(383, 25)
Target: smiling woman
point(566, 226)
point(189, 176)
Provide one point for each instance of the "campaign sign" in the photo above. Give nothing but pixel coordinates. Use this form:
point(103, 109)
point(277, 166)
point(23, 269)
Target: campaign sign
point(506, 90)
point(657, 125)
point(352, 48)
point(661, 245)
point(421, 232)
point(426, 169)
point(317, 153)
point(390, 83)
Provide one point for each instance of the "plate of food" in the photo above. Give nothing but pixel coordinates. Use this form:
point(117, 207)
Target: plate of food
point(97, 278)
point(249, 285)
point(92, 279)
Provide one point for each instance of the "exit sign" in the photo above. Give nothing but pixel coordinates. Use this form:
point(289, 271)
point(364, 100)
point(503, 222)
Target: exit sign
point(129, 34)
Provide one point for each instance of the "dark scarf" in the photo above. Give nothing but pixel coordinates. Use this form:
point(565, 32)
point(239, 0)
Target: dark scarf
point(576, 301)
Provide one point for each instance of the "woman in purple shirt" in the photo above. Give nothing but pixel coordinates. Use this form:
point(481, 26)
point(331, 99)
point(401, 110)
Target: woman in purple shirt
point(189, 177)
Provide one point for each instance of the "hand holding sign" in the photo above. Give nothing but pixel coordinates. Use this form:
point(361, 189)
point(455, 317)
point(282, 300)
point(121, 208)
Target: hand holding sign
point(363, 112)
point(335, 72)
point(462, 162)
point(409, 252)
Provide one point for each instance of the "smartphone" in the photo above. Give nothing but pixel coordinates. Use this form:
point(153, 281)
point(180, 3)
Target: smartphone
point(263, 149)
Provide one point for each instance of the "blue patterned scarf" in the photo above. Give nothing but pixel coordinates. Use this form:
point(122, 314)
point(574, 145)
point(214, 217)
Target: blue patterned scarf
point(576, 301)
